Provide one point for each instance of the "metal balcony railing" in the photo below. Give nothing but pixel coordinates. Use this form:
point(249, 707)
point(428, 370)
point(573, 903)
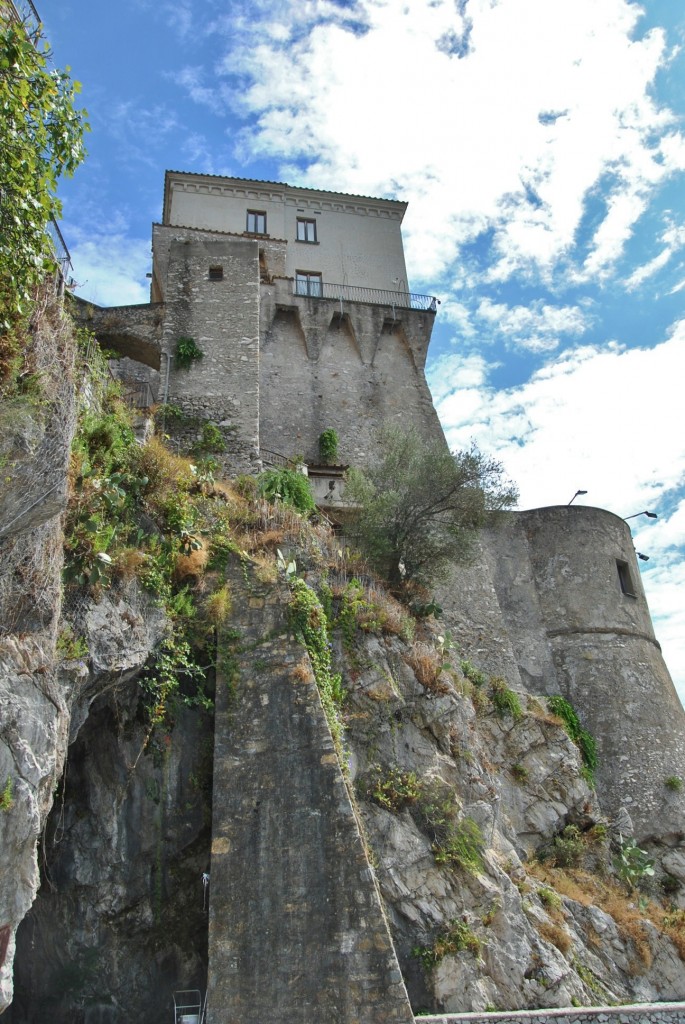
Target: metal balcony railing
point(317, 289)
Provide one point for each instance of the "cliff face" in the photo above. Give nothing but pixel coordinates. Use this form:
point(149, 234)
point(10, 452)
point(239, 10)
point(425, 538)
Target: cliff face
point(36, 428)
point(456, 796)
point(473, 815)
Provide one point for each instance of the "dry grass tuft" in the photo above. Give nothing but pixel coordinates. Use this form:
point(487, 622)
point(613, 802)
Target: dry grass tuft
point(192, 565)
point(555, 934)
point(302, 672)
point(217, 606)
point(426, 662)
point(588, 889)
point(164, 470)
point(127, 563)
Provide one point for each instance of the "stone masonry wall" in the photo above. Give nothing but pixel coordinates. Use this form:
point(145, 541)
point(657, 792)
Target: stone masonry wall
point(647, 1013)
point(576, 633)
point(296, 931)
point(353, 369)
point(222, 318)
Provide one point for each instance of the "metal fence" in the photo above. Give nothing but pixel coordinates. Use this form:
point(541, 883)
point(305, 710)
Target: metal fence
point(61, 252)
point(138, 395)
point(23, 11)
point(317, 289)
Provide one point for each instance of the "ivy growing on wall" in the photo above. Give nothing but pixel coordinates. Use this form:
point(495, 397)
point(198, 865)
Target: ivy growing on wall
point(309, 624)
point(584, 740)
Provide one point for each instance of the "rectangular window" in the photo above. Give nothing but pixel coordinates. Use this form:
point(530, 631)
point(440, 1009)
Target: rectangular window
point(306, 230)
point(625, 578)
point(256, 222)
point(308, 283)
point(216, 273)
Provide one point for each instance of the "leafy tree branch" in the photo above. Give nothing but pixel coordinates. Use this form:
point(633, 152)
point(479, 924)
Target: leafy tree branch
point(420, 506)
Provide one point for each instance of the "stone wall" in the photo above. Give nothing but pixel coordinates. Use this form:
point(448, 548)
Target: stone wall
point(296, 931)
point(353, 368)
point(222, 318)
point(646, 1013)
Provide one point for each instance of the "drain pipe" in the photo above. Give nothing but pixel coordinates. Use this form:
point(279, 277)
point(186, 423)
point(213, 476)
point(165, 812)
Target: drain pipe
point(166, 389)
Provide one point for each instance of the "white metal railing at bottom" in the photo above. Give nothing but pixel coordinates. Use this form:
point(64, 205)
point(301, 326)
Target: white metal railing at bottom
point(188, 1006)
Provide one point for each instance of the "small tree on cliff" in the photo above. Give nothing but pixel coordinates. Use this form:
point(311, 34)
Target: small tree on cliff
point(421, 507)
point(41, 140)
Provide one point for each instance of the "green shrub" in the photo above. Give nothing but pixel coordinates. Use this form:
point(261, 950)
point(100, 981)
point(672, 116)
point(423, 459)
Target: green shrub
point(473, 674)
point(212, 440)
point(186, 353)
point(549, 898)
point(328, 445)
point(462, 847)
point(6, 797)
point(504, 700)
point(69, 646)
point(41, 141)
point(457, 937)
point(580, 736)
point(288, 486)
point(308, 623)
point(520, 772)
point(394, 789)
point(674, 783)
point(568, 848)
point(632, 863)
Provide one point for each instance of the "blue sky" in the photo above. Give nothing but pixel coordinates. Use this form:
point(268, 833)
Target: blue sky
point(541, 147)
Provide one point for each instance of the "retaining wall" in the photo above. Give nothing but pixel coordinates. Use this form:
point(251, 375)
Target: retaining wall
point(644, 1013)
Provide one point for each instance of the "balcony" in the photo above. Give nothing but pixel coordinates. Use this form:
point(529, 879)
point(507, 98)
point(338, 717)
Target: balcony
point(315, 288)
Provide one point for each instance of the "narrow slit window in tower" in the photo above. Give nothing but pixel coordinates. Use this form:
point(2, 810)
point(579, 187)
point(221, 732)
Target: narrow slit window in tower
point(624, 578)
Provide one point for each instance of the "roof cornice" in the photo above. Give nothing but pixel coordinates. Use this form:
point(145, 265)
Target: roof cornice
point(278, 189)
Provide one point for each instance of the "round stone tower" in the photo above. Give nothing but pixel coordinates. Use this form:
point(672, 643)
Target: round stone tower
point(570, 593)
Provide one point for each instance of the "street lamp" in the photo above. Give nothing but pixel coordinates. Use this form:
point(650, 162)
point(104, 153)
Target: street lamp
point(576, 495)
point(650, 515)
point(643, 558)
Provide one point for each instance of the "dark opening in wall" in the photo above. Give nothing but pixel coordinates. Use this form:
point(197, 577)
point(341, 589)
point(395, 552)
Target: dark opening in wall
point(624, 578)
point(216, 273)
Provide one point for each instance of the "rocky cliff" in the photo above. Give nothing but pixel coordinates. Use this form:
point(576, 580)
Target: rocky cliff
point(495, 863)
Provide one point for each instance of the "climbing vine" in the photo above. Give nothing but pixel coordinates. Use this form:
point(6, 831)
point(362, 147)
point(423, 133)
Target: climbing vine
point(308, 622)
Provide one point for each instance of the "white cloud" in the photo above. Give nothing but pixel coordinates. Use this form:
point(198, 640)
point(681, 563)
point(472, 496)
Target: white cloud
point(597, 419)
point(536, 327)
point(673, 239)
point(507, 129)
point(110, 269)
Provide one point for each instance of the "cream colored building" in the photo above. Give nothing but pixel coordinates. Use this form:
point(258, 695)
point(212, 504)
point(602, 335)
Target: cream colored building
point(332, 238)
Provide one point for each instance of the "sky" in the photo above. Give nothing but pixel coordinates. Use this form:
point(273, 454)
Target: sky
point(540, 145)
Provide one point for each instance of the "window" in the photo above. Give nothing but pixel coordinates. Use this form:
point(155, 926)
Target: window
point(308, 283)
point(216, 273)
point(256, 222)
point(306, 230)
point(625, 578)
